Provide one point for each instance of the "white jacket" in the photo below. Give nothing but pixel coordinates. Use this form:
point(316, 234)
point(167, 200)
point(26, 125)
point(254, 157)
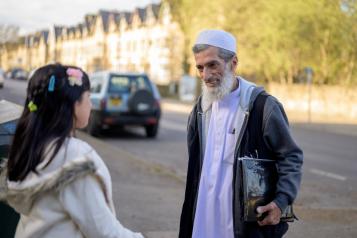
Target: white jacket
point(71, 197)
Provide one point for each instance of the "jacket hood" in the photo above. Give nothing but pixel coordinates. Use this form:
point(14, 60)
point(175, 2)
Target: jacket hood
point(22, 195)
point(248, 93)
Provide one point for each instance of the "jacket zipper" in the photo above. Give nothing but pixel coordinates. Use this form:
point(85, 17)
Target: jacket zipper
point(240, 137)
point(236, 215)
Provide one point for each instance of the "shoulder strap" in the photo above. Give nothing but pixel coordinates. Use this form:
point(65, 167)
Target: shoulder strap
point(256, 145)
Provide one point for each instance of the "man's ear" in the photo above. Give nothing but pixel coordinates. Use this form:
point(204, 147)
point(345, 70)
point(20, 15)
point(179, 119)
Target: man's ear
point(234, 63)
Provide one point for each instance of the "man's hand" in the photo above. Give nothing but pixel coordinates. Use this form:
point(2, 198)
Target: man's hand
point(273, 214)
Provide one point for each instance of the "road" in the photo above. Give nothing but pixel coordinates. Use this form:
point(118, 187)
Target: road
point(328, 195)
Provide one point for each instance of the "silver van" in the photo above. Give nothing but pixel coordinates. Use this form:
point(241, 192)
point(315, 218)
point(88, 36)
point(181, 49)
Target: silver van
point(121, 99)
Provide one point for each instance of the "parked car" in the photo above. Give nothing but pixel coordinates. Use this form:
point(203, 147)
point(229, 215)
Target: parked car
point(121, 99)
point(2, 78)
point(18, 73)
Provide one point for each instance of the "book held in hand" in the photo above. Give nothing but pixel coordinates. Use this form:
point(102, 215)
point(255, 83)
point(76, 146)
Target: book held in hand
point(259, 178)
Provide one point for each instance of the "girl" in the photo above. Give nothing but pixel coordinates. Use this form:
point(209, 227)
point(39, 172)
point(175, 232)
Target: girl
point(59, 184)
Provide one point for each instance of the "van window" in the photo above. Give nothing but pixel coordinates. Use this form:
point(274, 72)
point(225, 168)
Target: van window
point(96, 84)
point(128, 83)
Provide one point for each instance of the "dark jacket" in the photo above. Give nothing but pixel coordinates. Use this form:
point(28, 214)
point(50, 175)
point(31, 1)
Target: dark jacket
point(275, 141)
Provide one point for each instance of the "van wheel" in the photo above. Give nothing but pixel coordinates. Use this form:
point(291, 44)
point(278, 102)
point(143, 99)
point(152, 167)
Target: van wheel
point(151, 131)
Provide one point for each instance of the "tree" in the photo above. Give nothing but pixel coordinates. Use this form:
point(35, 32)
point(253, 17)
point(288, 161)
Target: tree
point(8, 33)
point(278, 38)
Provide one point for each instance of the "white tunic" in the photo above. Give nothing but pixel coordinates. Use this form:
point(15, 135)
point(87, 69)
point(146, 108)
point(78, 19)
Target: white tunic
point(214, 212)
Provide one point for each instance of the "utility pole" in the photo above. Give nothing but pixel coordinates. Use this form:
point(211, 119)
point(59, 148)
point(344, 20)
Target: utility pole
point(309, 73)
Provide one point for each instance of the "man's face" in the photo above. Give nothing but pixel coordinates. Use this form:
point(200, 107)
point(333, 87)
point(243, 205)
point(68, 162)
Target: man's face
point(210, 67)
point(217, 76)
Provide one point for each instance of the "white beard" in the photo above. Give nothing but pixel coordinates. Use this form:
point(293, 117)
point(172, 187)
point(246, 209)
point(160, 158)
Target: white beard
point(209, 95)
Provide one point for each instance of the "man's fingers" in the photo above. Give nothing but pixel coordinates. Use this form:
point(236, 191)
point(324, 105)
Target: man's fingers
point(265, 221)
point(273, 214)
point(262, 209)
point(269, 220)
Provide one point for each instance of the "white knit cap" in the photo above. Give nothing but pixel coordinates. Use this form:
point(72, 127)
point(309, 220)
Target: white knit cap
point(217, 38)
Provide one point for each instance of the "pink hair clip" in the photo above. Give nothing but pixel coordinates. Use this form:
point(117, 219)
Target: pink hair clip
point(74, 76)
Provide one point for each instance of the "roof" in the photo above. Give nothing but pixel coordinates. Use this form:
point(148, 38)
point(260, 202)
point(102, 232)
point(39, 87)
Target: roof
point(142, 14)
point(104, 16)
point(44, 35)
point(127, 17)
point(155, 9)
point(90, 20)
point(58, 31)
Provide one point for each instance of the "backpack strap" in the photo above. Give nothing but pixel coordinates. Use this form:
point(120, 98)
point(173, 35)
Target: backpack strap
point(256, 146)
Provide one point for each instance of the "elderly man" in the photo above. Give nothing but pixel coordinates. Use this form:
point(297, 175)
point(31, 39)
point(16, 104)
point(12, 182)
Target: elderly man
point(233, 118)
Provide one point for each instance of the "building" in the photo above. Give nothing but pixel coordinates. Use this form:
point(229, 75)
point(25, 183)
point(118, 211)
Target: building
point(145, 40)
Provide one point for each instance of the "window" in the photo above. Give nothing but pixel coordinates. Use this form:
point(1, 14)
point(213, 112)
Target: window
point(119, 84)
point(128, 83)
point(96, 84)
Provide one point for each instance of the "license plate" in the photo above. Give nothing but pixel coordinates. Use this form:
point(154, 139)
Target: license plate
point(115, 101)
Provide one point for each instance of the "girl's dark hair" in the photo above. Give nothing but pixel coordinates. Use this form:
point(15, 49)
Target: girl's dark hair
point(53, 121)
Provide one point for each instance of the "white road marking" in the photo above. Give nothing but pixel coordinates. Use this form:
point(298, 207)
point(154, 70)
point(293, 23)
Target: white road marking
point(328, 174)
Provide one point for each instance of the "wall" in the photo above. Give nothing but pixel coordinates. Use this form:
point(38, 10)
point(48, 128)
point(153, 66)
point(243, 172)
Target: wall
point(334, 104)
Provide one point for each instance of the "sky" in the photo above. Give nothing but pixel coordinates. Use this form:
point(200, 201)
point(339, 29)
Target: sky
point(34, 15)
